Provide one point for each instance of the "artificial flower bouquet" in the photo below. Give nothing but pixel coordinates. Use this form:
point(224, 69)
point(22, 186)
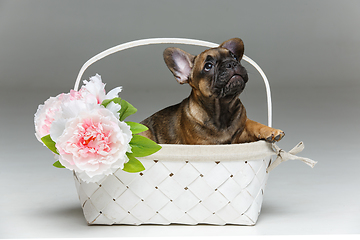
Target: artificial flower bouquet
point(87, 133)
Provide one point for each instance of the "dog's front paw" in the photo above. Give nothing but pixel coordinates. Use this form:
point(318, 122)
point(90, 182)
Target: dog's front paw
point(272, 135)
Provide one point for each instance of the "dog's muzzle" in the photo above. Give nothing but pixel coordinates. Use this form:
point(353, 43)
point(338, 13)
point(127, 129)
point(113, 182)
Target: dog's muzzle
point(231, 79)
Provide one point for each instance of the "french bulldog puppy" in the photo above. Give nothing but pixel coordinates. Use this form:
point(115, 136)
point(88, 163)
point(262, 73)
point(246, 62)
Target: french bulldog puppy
point(213, 113)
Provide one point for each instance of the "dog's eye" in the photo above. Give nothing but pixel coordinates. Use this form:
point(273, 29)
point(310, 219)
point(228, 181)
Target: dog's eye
point(208, 66)
point(234, 56)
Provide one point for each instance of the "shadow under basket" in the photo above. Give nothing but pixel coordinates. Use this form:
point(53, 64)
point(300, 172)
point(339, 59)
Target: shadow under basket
point(183, 184)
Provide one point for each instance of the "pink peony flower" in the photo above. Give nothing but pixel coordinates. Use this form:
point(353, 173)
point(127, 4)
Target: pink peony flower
point(90, 138)
point(94, 143)
point(51, 110)
point(92, 92)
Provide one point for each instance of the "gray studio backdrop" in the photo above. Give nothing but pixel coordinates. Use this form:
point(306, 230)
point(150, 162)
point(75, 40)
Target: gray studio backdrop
point(309, 50)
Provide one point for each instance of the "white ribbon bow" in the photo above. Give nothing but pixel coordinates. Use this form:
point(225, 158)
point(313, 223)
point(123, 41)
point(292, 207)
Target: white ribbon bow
point(283, 156)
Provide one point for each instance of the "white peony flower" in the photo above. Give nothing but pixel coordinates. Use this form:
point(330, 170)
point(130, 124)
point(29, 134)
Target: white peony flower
point(95, 88)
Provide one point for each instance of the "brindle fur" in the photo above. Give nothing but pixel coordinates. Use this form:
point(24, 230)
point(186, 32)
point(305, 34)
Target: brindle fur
point(213, 113)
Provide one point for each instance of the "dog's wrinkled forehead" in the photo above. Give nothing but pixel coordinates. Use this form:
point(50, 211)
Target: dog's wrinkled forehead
point(212, 54)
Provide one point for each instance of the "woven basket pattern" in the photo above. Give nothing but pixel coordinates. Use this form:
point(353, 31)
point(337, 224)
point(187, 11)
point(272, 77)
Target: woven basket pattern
point(181, 192)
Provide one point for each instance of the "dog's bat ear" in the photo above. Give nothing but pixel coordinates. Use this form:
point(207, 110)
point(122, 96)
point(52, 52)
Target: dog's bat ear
point(234, 45)
point(180, 63)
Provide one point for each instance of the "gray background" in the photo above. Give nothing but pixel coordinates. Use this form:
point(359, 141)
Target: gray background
point(309, 50)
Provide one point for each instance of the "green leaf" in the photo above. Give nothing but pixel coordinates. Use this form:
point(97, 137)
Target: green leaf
point(126, 110)
point(107, 101)
point(133, 165)
point(49, 143)
point(142, 146)
point(58, 165)
point(136, 127)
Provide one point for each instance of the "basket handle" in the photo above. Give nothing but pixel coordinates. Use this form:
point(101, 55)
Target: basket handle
point(195, 42)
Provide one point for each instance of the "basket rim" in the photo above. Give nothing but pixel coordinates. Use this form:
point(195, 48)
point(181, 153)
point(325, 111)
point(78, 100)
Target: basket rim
point(223, 152)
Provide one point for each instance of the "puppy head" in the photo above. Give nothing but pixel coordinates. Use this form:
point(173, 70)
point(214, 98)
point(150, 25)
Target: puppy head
point(216, 72)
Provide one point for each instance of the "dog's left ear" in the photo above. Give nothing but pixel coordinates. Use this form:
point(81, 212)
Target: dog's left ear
point(234, 45)
point(180, 63)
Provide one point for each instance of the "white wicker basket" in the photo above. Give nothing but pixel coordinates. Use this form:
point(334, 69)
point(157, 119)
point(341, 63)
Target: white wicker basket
point(185, 184)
